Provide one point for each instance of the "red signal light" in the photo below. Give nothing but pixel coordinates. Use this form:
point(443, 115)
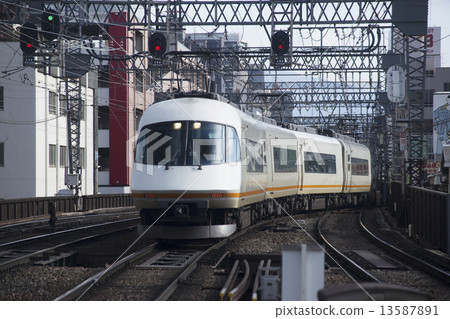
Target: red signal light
point(29, 38)
point(157, 44)
point(280, 43)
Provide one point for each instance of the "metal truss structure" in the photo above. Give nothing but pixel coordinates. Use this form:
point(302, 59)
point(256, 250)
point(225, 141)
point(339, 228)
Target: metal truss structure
point(342, 82)
point(216, 13)
point(407, 135)
point(74, 115)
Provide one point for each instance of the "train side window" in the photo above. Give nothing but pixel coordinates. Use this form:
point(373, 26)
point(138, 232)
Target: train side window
point(320, 163)
point(255, 156)
point(284, 160)
point(360, 167)
point(233, 148)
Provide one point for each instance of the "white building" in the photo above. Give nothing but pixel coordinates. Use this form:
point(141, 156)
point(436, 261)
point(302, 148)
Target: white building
point(33, 130)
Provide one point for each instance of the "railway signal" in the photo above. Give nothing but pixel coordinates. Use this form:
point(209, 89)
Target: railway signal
point(50, 24)
point(28, 38)
point(280, 43)
point(157, 44)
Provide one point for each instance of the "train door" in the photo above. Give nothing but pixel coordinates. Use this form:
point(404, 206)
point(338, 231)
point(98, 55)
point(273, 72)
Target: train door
point(269, 162)
point(256, 176)
point(349, 171)
point(346, 174)
point(300, 165)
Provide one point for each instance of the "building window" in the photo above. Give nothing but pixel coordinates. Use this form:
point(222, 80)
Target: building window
point(83, 110)
point(139, 113)
point(148, 80)
point(446, 87)
point(103, 117)
point(103, 159)
point(52, 102)
point(2, 101)
point(139, 85)
point(429, 73)
point(103, 76)
point(52, 155)
point(2, 154)
point(62, 156)
point(139, 41)
point(63, 105)
point(82, 158)
point(429, 97)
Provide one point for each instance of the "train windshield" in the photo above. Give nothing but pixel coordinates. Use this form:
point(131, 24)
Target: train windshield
point(184, 143)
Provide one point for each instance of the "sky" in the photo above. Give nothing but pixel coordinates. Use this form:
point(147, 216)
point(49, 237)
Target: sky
point(439, 15)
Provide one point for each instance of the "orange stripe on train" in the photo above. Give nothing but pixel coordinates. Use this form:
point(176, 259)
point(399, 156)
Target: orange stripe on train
point(235, 195)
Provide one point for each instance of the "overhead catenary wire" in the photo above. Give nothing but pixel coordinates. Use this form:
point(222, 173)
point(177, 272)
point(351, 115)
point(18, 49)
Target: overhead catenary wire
point(212, 33)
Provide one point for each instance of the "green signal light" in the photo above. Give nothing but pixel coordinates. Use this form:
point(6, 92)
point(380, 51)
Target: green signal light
point(50, 18)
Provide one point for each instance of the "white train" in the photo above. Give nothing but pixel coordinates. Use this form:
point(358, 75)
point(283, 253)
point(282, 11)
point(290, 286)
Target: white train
point(203, 168)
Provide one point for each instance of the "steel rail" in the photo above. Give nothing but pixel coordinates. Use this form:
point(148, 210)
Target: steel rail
point(236, 293)
point(256, 283)
point(433, 270)
point(170, 288)
point(43, 220)
point(230, 280)
point(77, 291)
point(64, 232)
point(344, 260)
point(25, 259)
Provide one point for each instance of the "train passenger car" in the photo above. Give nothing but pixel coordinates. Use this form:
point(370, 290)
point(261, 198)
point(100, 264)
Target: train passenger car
point(203, 168)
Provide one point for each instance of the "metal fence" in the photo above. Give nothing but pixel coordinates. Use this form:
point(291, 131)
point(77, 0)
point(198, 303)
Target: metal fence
point(428, 213)
point(397, 202)
point(33, 207)
point(425, 211)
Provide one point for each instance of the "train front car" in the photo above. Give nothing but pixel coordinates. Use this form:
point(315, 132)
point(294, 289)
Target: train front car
point(187, 168)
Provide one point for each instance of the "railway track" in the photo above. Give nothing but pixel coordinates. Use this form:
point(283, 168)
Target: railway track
point(150, 274)
point(341, 259)
point(429, 263)
point(235, 276)
point(188, 271)
point(41, 226)
point(104, 275)
point(155, 273)
point(234, 289)
point(377, 263)
point(55, 247)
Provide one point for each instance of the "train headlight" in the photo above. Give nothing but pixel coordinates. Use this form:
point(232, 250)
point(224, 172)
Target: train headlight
point(177, 125)
point(197, 125)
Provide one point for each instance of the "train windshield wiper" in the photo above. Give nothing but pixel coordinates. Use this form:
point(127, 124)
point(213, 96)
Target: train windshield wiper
point(177, 154)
